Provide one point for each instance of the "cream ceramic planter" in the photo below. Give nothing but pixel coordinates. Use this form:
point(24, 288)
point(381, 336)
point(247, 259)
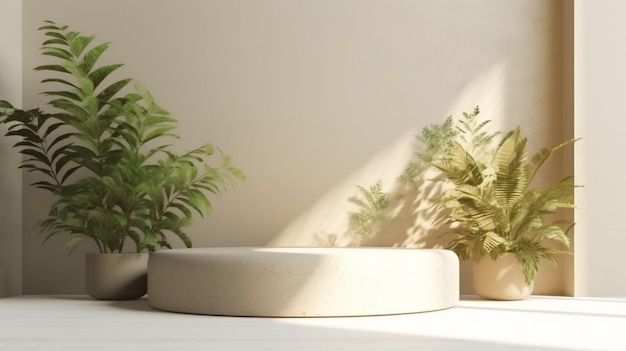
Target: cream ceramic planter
point(501, 279)
point(116, 276)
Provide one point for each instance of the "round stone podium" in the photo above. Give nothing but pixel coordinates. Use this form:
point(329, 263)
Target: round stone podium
point(302, 282)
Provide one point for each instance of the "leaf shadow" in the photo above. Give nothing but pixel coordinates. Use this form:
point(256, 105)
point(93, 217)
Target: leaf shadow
point(413, 218)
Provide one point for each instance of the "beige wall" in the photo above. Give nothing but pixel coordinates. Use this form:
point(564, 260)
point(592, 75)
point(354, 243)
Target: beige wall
point(310, 98)
point(10, 176)
point(600, 75)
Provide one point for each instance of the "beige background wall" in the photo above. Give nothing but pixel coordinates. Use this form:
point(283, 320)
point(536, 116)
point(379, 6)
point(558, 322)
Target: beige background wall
point(310, 98)
point(600, 75)
point(10, 176)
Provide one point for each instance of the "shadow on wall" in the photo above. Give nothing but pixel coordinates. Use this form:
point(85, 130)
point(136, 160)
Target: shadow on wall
point(414, 218)
point(10, 220)
point(411, 218)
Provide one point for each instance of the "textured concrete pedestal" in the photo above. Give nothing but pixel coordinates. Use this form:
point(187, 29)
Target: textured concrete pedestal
point(303, 282)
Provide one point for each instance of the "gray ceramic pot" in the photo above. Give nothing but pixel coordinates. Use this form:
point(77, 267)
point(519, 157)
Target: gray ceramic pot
point(116, 276)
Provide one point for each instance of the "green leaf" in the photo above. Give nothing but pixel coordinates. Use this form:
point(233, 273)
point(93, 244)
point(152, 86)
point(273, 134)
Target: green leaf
point(27, 134)
point(70, 35)
point(55, 35)
point(110, 91)
point(59, 80)
point(26, 143)
point(70, 107)
point(543, 155)
point(69, 172)
point(51, 128)
point(38, 155)
point(62, 93)
point(78, 44)
point(45, 186)
point(237, 173)
point(199, 202)
point(55, 41)
point(5, 104)
point(55, 68)
point(109, 182)
point(119, 217)
point(59, 139)
point(491, 241)
point(101, 73)
point(184, 238)
point(92, 56)
point(157, 133)
point(56, 52)
point(182, 208)
point(51, 27)
point(528, 257)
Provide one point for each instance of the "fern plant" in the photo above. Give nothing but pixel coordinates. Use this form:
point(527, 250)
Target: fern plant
point(495, 209)
point(105, 155)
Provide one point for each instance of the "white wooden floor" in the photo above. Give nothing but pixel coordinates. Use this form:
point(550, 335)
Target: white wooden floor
point(538, 323)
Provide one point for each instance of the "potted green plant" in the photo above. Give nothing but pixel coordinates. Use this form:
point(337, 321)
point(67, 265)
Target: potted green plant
point(500, 222)
point(105, 155)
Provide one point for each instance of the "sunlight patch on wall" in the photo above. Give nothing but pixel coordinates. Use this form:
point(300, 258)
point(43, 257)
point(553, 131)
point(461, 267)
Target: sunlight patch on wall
point(488, 90)
point(411, 211)
point(330, 214)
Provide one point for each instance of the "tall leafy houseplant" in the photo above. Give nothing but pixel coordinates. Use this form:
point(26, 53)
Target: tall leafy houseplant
point(495, 209)
point(104, 153)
